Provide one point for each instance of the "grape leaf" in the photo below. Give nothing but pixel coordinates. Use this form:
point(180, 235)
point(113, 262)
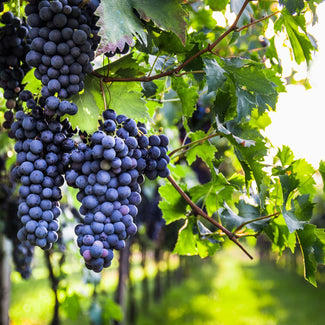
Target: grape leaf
point(190, 243)
point(300, 43)
point(187, 94)
point(118, 24)
point(172, 205)
point(186, 242)
point(212, 193)
point(312, 244)
point(214, 74)
point(31, 83)
point(167, 15)
point(233, 138)
point(293, 5)
point(281, 238)
point(255, 86)
point(126, 98)
point(217, 5)
point(204, 150)
point(88, 109)
point(291, 220)
point(321, 170)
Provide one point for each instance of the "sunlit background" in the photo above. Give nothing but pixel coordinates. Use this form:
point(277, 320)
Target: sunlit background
point(300, 116)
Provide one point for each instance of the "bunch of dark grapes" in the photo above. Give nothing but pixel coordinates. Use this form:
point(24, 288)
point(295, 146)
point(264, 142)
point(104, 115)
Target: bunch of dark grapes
point(108, 172)
point(22, 252)
point(64, 38)
point(42, 148)
point(14, 45)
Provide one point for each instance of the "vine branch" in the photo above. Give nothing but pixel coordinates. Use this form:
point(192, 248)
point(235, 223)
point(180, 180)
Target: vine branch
point(176, 70)
point(200, 212)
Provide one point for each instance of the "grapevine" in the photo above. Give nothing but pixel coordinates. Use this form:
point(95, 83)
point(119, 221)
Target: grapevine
point(87, 61)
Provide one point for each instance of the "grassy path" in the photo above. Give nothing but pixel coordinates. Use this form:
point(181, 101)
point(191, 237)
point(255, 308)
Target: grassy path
point(234, 291)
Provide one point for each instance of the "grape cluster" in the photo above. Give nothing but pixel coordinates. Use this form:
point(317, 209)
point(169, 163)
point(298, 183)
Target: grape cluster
point(14, 45)
point(42, 156)
point(23, 253)
point(64, 38)
point(108, 172)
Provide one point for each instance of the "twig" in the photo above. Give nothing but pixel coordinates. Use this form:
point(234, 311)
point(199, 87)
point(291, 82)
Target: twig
point(276, 214)
point(103, 94)
point(176, 71)
point(199, 211)
point(192, 143)
point(256, 21)
point(188, 72)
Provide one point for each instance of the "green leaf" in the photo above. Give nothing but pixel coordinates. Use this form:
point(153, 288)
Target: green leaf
point(291, 220)
point(309, 243)
point(300, 43)
point(303, 207)
point(204, 150)
point(186, 242)
point(217, 5)
point(250, 212)
point(293, 5)
point(187, 94)
point(31, 83)
point(229, 218)
point(118, 24)
point(207, 247)
point(289, 183)
point(214, 74)
point(195, 239)
point(126, 98)
point(172, 205)
point(255, 86)
point(167, 15)
point(233, 138)
point(88, 111)
point(286, 156)
point(281, 238)
point(212, 193)
point(304, 172)
point(321, 170)
point(127, 67)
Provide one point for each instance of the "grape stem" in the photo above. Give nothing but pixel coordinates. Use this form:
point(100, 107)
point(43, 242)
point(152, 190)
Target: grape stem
point(175, 72)
point(200, 212)
point(200, 141)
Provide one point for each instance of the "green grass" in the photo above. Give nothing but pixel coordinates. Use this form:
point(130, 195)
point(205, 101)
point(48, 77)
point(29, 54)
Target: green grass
point(233, 290)
point(226, 290)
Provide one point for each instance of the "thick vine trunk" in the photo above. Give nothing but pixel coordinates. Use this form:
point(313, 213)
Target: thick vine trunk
point(4, 281)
